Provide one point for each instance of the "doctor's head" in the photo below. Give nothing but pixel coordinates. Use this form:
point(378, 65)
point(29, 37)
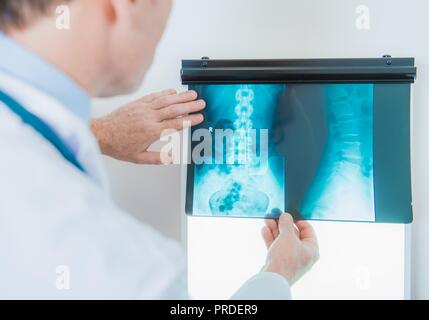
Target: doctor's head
point(106, 46)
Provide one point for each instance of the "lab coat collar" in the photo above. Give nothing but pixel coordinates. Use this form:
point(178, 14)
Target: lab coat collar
point(72, 130)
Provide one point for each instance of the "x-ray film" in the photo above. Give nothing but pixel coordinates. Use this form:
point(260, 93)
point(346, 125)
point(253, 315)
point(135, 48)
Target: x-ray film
point(328, 146)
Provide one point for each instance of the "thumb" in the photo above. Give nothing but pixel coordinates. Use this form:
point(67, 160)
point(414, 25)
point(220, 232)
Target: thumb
point(286, 223)
point(157, 158)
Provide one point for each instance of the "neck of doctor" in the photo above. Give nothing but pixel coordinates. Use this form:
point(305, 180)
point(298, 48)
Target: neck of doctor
point(73, 51)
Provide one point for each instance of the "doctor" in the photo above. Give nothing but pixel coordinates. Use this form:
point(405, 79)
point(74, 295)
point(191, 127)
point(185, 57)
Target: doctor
point(61, 236)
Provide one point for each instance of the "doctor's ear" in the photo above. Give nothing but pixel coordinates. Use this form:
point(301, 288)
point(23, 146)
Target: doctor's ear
point(131, 9)
point(132, 31)
point(119, 10)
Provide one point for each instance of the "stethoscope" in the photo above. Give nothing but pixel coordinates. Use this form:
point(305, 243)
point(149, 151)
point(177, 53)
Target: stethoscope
point(42, 128)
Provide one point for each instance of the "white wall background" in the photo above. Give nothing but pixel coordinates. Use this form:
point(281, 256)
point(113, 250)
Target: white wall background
point(282, 29)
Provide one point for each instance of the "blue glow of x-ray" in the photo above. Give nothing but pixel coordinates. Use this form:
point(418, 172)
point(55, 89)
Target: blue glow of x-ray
point(343, 186)
point(320, 145)
point(246, 184)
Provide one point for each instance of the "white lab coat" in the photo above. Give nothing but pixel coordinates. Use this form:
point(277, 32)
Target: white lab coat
point(62, 237)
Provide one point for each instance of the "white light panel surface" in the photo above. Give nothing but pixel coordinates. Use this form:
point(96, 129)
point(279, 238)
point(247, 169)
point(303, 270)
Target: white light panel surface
point(357, 260)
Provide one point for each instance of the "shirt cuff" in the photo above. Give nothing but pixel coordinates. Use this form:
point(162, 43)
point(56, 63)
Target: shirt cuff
point(264, 286)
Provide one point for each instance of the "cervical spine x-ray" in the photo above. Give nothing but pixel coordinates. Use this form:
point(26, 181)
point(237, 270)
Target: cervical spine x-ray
point(275, 147)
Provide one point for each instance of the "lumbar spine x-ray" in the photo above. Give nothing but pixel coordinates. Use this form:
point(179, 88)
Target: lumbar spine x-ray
point(316, 138)
point(343, 185)
point(252, 180)
point(241, 195)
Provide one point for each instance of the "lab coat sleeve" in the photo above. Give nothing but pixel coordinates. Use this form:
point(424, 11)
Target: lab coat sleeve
point(264, 286)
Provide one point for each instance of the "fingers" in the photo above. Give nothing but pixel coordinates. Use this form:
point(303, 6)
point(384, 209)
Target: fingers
point(152, 97)
point(268, 236)
point(180, 110)
point(168, 100)
point(273, 226)
point(287, 224)
point(155, 158)
point(184, 122)
point(306, 231)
